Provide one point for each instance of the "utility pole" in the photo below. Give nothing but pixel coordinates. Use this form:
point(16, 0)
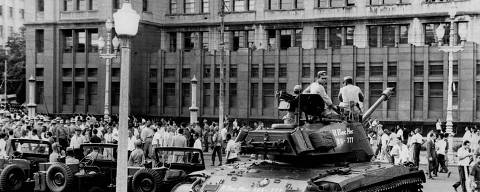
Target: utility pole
point(222, 53)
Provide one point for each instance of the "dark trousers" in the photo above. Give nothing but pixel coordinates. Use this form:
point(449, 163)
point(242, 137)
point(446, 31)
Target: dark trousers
point(461, 173)
point(147, 147)
point(441, 162)
point(206, 144)
point(432, 167)
point(63, 142)
point(416, 153)
point(217, 150)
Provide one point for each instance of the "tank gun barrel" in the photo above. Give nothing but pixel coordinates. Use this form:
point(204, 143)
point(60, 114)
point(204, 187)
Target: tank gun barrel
point(385, 96)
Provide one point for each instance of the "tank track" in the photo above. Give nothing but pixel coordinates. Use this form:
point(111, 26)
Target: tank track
point(406, 183)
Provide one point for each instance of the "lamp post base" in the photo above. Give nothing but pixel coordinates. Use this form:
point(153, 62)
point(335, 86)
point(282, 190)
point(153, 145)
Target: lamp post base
point(451, 153)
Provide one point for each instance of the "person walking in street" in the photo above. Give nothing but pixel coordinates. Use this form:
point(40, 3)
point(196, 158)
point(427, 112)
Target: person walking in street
point(232, 150)
point(465, 156)
point(475, 175)
point(137, 157)
point(217, 147)
point(431, 156)
point(441, 153)
point(417, 141)
point(146, 135)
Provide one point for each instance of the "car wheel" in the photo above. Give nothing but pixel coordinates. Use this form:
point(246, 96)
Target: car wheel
point(59, 177)
point(146, 180)
point(11, 178)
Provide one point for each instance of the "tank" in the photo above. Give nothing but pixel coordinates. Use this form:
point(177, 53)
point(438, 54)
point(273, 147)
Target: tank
point(324, 153)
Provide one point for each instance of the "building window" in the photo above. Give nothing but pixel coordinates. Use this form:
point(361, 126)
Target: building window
point(418, 69)
point(92, 72)
point(186, 95)
point(254, 95)
point(285, 39)
point(152, 94)
point(205, 6)
point(478, 95)
point(80, 40)
point(435, 96)
point(376, 70)
point(188, 41)
point(39, 92)
point(239, 40)
point(268, 93)
point(403, 34)
point(206, 72)
point(152, 73)
point(216, 94)
point(455, 94)
point(387, 35)
point(430, 35)
point(22, 13)
point(319, 67)
point(268, 70)
point(144, 5)
point(92, 4)
point(189, 6)
point(282, 70)
point(217, 71)
point(67, 41)
point(226, 4)
point(376, 90)
point(39, 40)
point(116, 72)
point(186, 72)
point(79, 93)
point(232, 94)
point(333, 3)
point(298, 4)
point(79, 72)
point(67, 72)
point(115, 98)
point(10, 11)
point(233, 71)
point(81, 4)
point(172, 41)
point(206, 94)
point(116, 4)
point(334, 37)
point(239, 5)
point(67, 5)
point(373, 36)
point(335, 69)
point(1, 10)
point(204, 40)
point(392, 69)
point(39, 72)
point(173, 6)
point(251, 5)
point(92, 92)
point(92, 40)
point(169, 73)
point(254, 71)
point(306, 70)
point(435, 68)
point(360, 70)
point(169, 95)
point(392, 101)
point(418, 96)
point(40, 5)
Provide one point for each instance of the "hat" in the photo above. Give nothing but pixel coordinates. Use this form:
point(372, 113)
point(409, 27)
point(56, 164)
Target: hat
point(321, 73)
point(347, 77)
point(69, 149)
point(297, 88)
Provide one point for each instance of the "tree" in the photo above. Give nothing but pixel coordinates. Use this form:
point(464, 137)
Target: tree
point(16, 65)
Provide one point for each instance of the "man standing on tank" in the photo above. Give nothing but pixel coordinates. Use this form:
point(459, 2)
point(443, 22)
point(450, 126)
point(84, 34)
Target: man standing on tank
point(350, 96)
point(318, 87)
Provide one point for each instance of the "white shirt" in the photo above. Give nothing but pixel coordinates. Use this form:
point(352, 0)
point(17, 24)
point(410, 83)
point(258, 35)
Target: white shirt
point(233, 148)
point(442, 145)
point(131, 143)
point(316, 88)
point(417, 138)
point(76, 141)
point(385, 139)
point(400, 134)
point(463, 159)
point(401, 153)
point(467, 136)
point(223, 133)
point(350, 93)
point(198, 144)
point(393, 139)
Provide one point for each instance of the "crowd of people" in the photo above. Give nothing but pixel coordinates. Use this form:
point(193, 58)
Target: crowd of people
point(68, 134)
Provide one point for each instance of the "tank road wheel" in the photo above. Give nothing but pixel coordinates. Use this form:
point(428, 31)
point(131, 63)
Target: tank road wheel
point(146, 180)
point(59, 177)
point(11, 178)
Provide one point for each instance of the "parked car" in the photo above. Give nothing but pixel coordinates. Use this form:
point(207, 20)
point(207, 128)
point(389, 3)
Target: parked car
point(172, 166)
point(96, 171)
point(17, 171)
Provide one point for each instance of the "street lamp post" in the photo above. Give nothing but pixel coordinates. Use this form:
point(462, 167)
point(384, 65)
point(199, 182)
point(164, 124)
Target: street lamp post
point(5, 74)
point(193, 108)
point(31, 98)
point(450, 49)
point(108, 55)
point(126, 25)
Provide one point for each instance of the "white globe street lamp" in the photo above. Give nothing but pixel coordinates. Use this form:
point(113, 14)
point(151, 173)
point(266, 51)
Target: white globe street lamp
point(126, 22)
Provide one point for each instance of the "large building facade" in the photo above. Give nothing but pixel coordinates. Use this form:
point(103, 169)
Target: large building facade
point(12, 16)
point(271, 45)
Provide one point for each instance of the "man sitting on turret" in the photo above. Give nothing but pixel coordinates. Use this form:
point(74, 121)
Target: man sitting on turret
point(318, 87)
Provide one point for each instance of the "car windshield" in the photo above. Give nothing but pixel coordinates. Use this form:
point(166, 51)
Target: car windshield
point(179, 156)
point(32, 147)
point(106, 153)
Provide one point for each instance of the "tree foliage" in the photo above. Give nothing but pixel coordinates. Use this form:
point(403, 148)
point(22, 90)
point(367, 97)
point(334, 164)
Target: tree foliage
point(16, 65)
